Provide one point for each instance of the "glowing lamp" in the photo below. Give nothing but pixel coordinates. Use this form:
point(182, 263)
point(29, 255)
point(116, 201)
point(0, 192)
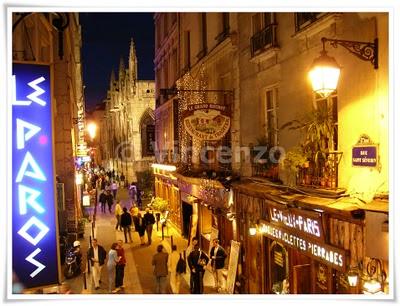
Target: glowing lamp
point(372, 286)
point(324, 74)
point(91, 128)
point(352, 278)
point(252, 230)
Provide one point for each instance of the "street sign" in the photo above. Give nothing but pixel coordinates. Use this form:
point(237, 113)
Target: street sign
point(34, 213)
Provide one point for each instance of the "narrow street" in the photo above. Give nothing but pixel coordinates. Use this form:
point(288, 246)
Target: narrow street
point(138, 270)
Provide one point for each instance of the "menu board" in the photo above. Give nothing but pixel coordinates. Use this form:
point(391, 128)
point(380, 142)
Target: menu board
point(232, 268)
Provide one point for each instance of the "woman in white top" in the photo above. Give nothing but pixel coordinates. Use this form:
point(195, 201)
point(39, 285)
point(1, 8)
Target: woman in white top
point(111, 263)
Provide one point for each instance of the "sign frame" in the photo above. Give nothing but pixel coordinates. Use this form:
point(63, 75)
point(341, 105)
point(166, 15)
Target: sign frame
point(34, 230)
point(303, 244)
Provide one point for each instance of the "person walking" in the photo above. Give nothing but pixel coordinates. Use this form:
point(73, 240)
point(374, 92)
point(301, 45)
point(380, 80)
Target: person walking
point(111, 264)
point(97, 255)
point(114, 187)
point(197, 260)
point(118, 213)
point(120, 268)
point(174, 277)
point(190, 248)
point(218, 255)
point(126, 222)
point(122, 179)
point(110, 200)
point(149, 220)
point(160, 263)
point(132, 192)
point(103, 200)
point(139, 227)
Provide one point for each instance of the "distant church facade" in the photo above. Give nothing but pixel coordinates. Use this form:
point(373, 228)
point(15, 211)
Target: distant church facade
point(127, 128)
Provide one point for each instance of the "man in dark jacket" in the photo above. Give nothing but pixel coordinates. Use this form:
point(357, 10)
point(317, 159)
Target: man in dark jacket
point(109, 199)
point(197, 260)
point(97, 256)
point(103, 200)
point(126, 222)
point(218, 255)
point(149, 220)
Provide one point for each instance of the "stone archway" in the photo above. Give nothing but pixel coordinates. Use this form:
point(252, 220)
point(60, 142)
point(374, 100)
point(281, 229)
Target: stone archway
point(147, 132)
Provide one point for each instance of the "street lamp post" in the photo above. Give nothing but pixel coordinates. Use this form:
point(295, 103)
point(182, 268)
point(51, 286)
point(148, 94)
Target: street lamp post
point(325, 71)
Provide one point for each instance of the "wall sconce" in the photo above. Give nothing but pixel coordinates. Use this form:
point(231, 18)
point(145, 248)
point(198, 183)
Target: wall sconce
point(352, 276)
point(375, 277)
point(325, 71)
point(252, 229)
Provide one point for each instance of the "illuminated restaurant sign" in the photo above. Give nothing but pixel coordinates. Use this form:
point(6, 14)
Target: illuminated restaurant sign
point(308, 222)
point(207, 121)
point(329, 255)
point(34, 237)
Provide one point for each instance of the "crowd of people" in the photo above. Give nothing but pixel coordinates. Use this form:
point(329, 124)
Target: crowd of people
point(166, 261)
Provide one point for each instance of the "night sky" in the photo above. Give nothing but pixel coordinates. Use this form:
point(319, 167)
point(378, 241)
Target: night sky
point(105, 38)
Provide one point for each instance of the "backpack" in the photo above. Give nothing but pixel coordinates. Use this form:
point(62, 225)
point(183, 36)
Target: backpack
point(181, 265)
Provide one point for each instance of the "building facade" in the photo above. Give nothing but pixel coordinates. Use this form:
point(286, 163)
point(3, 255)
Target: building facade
point(127, 129)
point(233, 100)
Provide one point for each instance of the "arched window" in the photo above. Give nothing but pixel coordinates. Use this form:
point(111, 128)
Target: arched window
point(147, 131)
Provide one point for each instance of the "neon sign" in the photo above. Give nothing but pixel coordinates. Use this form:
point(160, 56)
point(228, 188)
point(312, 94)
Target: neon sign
point(34, 236)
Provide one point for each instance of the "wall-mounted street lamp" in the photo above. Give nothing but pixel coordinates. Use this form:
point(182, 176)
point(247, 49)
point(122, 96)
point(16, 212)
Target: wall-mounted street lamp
point(92, 128)
point(325, 71)
point(252, 229)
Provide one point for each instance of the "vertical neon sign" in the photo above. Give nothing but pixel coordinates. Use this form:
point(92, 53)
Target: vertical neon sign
point(34, 233)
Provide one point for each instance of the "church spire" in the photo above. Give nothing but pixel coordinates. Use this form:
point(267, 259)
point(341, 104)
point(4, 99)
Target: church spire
point(112, 79)
point(132, 66)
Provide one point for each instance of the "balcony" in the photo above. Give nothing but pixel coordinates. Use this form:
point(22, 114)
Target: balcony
point(323, 174)
point(264, 40)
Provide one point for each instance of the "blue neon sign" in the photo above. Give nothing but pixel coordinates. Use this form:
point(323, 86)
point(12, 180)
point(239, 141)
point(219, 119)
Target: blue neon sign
point(34, 235)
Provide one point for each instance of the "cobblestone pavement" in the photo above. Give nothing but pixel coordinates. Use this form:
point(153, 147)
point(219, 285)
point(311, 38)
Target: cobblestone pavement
point(139, 277)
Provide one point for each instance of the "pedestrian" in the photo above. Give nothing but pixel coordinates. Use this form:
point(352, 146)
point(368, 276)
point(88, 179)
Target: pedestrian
point(123, 179)
point(197, 260)
point(149, 220)
point(111, 264)
point(97, 255)
point(139, 227)
point(134, 210)
point(103, 201)
point(218, 255)
point(114, 187)
point(110, 200)
point(120, 268)
point(133, 192)
point(174, 277)
point(118, 213)
point(160, 263)
point(190, 248)
point(126, 222)
point(139, 197)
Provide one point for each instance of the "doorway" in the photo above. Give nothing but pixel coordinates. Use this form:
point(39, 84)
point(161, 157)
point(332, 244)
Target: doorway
point(301, 273)
point(187, 211)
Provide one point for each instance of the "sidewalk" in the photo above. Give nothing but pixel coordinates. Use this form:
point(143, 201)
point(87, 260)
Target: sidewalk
point(139, 277)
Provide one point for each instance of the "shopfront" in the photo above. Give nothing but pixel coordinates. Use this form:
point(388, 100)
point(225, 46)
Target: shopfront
point(302, 245)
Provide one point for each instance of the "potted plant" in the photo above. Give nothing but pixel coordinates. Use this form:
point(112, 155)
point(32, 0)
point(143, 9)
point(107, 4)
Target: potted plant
point(319, 129)
point(293, 161)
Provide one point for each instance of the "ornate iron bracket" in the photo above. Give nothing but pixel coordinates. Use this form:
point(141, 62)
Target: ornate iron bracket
point(365, 51)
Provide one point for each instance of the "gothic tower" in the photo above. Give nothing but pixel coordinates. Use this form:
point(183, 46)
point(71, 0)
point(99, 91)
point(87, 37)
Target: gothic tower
point(132, 67)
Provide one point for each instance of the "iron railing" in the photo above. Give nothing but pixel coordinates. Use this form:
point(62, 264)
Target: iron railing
point(264, 39)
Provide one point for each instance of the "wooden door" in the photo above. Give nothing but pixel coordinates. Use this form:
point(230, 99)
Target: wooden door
point(302, 279)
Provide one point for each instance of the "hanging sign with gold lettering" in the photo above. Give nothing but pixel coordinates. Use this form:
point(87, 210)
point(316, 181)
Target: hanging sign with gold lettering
point(206, 121)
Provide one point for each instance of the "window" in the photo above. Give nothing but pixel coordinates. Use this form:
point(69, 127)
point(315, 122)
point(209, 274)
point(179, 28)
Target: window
point(187, 50)
point(271, 119)
point(264, 32)
point(302, 20)
point(224, 24)
point(203, 36)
